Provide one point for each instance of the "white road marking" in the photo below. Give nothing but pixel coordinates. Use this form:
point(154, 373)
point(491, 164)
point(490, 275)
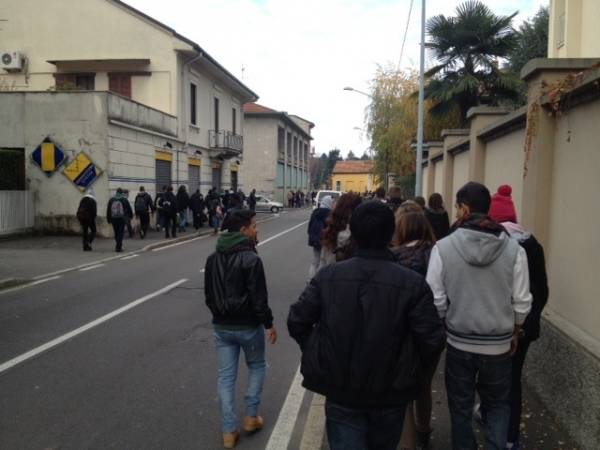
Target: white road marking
point(65, 337)
point(282, 432)
point(282, 233)
point(130, 257)
point(314, 430)
point(95, 266)
point(56, 277)
point(180, 243)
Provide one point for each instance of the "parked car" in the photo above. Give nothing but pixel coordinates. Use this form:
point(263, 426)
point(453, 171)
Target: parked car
point(334, 194)
point(266, 204)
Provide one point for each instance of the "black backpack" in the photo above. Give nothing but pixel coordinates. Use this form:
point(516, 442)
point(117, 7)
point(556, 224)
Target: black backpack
point(140, 204)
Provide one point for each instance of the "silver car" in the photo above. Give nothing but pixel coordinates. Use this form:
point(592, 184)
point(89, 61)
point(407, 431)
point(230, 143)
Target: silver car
point(266, 204)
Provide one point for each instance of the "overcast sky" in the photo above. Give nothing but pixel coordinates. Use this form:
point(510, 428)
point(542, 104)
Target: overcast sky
point(299, 54)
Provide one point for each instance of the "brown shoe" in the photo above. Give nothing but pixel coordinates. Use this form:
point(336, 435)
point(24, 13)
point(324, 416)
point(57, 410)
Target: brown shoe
point(253, 423)
point(230, 439)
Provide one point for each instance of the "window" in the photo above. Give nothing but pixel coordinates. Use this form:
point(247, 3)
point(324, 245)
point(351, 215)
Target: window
point(12, 169)
point(295, 150)
point(233, 120)
point(120, 84)
point(75, 81)
point(193, 104)
point(560, 23)
point(289, 146)
point(280, 141)
point(216, 111)
point(338, 185)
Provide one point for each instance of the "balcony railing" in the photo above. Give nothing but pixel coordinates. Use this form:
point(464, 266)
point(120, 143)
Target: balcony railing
point(226, 140)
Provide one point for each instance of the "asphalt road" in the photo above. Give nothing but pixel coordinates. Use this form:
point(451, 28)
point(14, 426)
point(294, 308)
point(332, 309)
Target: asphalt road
point(145, 378)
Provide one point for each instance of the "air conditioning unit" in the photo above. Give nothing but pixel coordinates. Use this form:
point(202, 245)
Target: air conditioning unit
point(11, 61)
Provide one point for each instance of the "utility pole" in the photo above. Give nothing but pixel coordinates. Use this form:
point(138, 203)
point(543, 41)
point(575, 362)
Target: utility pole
point(419, 177)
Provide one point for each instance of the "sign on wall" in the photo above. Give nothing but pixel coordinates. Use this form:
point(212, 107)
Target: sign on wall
point(82, 171)
point(48, 156)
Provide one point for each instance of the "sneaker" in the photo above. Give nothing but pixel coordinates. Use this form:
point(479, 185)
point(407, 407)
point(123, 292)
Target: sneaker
point(230, 439)
point(252, 424)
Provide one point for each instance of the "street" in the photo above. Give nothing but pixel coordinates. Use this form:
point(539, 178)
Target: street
point(144, 378)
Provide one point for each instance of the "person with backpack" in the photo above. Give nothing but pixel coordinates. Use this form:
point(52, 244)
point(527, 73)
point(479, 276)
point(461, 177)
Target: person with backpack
point(168, 206)
point(502, 210)
point(480, 281)
point(143, 206)
point(366, 328)
point(117, 213)
point(235, 290)
point(183, 203)
point(86, 215)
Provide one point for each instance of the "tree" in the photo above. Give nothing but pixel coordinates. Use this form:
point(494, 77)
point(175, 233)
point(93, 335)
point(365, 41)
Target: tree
point(392, 121)
point(532, 41)
point(365, 157)
point(351, 156)
point(467, 48)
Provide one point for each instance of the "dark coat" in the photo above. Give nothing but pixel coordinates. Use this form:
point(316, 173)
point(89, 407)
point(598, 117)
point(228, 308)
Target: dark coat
point(415, 258)
point(366, 327)
point(538, 285)
point(439, 221)
point(168, 204)
point(143, 203)
point(316, 225)
point(87, 210)
point(235, 288)
point(126, 209)
point(183, 201)
point(196, 202)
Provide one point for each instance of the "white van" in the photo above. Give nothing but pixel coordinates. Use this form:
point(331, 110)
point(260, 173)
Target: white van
point(333, 194)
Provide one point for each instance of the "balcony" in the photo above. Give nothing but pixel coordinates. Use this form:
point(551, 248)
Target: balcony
point(227, 142)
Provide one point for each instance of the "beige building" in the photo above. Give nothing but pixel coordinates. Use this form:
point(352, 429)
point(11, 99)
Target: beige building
point(574, 31)
point(277, 151)
point(169, 88)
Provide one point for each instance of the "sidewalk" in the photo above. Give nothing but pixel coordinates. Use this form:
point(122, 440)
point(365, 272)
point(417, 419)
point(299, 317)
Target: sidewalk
point(539, 430)
point(23, 258)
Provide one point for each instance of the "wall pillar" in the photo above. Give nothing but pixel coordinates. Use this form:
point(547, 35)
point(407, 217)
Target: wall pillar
point(449, 137)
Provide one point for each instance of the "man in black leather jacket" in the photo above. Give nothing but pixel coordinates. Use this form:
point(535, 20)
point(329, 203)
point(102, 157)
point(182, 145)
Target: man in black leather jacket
point(366, 327)
point(236, 293)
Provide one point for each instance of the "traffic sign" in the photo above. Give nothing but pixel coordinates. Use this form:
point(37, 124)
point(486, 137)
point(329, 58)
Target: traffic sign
point(48, 156)
point(82, 171)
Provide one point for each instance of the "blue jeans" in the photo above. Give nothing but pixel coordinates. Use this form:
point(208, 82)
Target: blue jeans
point(490, 375)
point(229, 343)
point(182, 220)
point(356, 429)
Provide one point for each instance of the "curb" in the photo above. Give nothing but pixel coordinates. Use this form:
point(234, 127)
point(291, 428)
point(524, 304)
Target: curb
point(9, 283)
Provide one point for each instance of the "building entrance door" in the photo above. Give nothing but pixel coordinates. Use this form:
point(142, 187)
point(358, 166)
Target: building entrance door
point(216, 178)
point(234, 181)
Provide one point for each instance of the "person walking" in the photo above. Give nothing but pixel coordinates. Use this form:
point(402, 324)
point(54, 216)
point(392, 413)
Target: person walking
point(395, 198)
point(86, 215)
point(413, 241)
point(336, 241)
point(502, 210)
point(480, 282)
point(236, 294)
point(197, 207)
point(183, 203)
point(380, 195)
point(160, 217)
point(143, 207)
point(438, 216)
point(129, 217)
point(215, 209)
point(290, 198)
point(168, 205)
point(316, 225)
point(366, 327)
point(118, 211)
point(252, 200)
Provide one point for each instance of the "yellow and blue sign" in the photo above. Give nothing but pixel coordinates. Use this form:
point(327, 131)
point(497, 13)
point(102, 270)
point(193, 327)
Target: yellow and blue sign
point(48, 156)
point(82, 171)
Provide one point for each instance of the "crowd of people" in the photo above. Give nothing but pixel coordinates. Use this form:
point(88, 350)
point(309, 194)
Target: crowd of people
point(298, 199)
point(391, 286)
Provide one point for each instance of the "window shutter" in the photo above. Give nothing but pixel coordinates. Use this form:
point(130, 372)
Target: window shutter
point(120, 84)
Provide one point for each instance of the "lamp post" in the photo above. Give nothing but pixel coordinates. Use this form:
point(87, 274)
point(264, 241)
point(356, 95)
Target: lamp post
point(421, 112)
point(387, 162)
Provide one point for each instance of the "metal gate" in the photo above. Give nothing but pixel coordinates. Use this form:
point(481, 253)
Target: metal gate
point(193, 178)
point(163, 174)
point(216, 178)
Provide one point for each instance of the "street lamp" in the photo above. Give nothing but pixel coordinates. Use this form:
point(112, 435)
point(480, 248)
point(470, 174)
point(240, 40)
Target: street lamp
point(351, 89)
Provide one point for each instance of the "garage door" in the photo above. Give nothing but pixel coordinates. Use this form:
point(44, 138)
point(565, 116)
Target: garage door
point(193, 178)
point(163, 174)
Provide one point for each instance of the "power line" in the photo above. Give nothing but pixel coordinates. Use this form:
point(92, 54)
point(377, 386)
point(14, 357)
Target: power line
point(405, 34)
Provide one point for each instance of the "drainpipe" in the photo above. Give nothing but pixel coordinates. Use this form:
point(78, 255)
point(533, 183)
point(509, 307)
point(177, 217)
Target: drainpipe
point(184, 114)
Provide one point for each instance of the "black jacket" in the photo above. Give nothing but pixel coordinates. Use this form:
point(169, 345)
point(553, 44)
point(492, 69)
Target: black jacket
point(414, 257)
point(439, 221)
point(196, 202)
point(366, 327)
point(87, 210)
point(316, 225)
point(235, 288)
point(143, 203)
point(183, 201)
point(126, 209)
point(538, 286)
point(168, 204)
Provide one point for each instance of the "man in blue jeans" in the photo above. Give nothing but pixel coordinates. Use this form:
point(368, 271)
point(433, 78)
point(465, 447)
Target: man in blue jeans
point(480, 282)
point(366, 327)
point(236, 293)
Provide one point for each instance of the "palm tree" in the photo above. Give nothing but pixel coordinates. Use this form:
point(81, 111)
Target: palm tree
point(467, 48)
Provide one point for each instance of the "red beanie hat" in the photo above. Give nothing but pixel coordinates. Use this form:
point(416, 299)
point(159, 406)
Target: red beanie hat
point(502, 208)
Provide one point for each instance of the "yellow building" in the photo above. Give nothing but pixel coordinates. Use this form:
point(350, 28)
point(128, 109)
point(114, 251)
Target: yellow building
point(573, 31)
point(355, 176)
